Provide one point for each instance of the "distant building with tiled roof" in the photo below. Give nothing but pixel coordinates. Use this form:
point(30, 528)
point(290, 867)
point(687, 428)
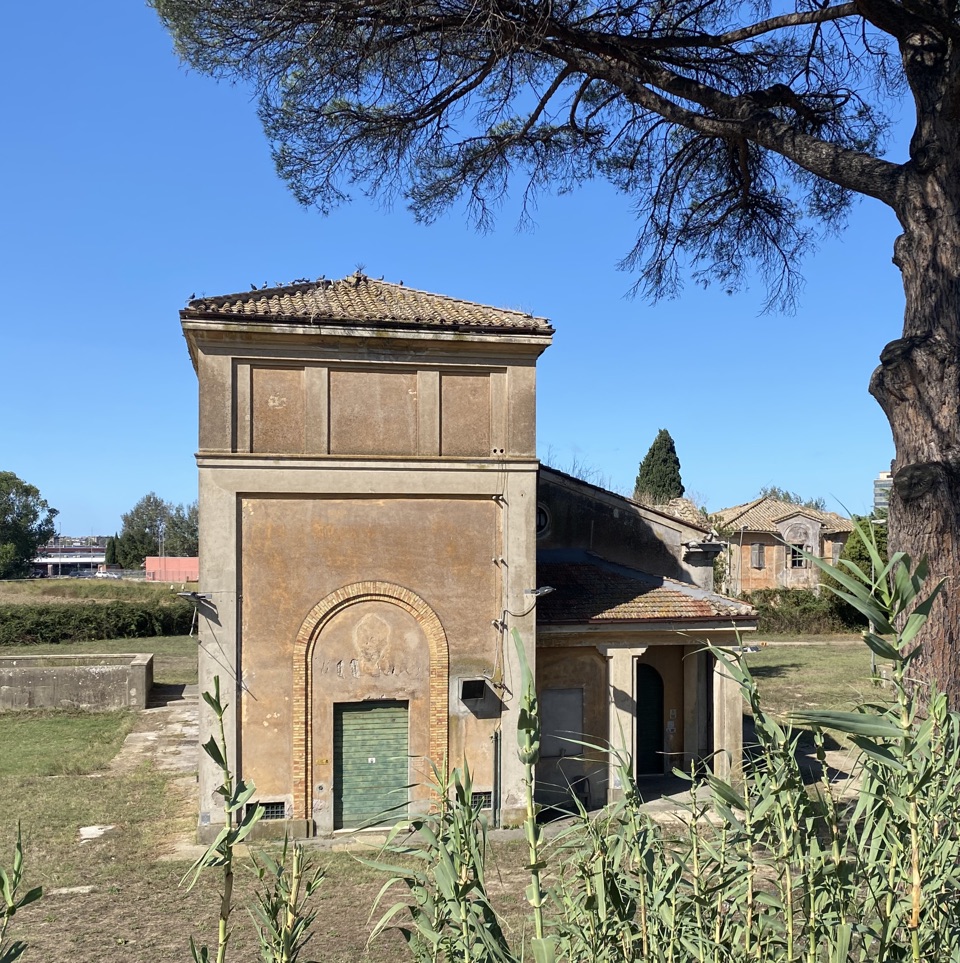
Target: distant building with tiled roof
point(768, 537)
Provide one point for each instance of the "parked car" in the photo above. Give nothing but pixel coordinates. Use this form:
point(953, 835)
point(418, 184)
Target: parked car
point(108, 575)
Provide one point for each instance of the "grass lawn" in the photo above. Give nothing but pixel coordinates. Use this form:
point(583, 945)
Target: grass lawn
point(831, 672)
point(138, 913)
point(61, 590)
point(53, 743)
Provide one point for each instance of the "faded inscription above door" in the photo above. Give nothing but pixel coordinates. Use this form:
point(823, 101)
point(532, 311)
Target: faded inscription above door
point(370, 649)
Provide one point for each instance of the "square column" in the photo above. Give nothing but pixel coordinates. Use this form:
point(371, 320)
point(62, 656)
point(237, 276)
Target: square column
point(622, 710)
point(727, 726)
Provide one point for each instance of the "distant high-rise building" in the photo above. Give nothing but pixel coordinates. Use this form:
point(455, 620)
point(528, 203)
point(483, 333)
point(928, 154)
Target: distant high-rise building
point(881, 492)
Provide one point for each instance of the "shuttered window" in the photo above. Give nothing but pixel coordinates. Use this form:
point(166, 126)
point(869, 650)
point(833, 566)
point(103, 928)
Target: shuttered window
point(756, 555)
point(561, 713)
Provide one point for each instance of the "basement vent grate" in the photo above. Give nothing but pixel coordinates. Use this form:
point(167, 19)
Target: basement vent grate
point(271, 810)
point(481, 800)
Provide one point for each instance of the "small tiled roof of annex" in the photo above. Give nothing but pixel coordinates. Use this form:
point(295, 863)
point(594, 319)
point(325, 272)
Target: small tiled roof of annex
point(762, 515)
point(360, 300)
point(588, 588)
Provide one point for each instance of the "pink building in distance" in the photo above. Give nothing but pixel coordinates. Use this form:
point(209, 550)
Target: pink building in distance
point(169, 568)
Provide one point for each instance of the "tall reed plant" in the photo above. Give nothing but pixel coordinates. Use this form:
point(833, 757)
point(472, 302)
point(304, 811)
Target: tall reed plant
point(280, 912)
point(772, 868)
point(12, 899)
point(239, 820)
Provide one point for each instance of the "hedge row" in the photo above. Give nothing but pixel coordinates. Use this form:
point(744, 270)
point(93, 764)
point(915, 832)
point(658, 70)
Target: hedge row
point(801, 612)
point(52, 624)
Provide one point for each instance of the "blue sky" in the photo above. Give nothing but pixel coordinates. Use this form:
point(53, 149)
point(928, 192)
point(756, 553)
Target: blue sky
point(130, 184)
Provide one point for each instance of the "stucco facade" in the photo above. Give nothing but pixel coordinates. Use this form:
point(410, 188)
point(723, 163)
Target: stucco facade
point(767, 539)
point(368, 540)
point(623, 639)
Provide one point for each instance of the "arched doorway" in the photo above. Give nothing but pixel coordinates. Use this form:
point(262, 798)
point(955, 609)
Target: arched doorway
point(648, 757)
point(368, 646)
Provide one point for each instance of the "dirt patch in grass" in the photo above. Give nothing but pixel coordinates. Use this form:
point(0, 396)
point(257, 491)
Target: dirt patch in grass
point(138, 912)
point(148, 917)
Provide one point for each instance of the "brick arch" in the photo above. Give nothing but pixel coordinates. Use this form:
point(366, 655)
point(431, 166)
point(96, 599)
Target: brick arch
point(310, 631)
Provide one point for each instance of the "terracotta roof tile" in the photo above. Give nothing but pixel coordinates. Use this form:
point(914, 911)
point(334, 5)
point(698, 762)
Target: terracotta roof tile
point(686, 510)
point(590, 589)
point(762, 515)
point(358, 299)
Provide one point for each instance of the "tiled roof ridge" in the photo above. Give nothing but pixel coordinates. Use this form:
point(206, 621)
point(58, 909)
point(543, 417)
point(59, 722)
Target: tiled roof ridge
point(298, 284)
point(744, 507)
point(821, 514)
point(831, 520)
point(216, 304)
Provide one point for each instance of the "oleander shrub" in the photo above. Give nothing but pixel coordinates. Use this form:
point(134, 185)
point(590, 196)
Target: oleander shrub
point(54, 624)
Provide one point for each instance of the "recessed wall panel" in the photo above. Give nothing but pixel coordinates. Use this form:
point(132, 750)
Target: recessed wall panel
point(373, 412)
point(465, 414)
point(277, 409)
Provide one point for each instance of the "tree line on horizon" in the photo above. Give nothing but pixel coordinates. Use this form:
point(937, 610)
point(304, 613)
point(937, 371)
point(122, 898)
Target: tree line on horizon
point(154, 527)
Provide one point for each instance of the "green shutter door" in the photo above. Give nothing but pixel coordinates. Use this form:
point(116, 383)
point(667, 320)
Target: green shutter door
point(649, 702)
point(370, 768)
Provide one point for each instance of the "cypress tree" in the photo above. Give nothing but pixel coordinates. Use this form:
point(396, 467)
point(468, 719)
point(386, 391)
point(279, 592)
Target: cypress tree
point(659, 477)
point(110, 554)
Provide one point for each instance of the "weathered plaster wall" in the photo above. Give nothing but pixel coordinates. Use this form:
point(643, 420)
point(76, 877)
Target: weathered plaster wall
point(296, 551)
point(301, 498)
point(366, 397)
point(743, 576)
point(599, 522)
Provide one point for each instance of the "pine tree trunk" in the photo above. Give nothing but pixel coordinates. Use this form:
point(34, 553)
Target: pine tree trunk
point(918, 381)
point(917, 385)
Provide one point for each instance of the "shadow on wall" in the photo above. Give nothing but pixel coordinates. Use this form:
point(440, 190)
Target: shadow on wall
point(592, 520)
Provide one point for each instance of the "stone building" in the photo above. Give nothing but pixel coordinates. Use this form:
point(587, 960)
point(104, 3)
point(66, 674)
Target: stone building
point(369, 524)
point(767, 539)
